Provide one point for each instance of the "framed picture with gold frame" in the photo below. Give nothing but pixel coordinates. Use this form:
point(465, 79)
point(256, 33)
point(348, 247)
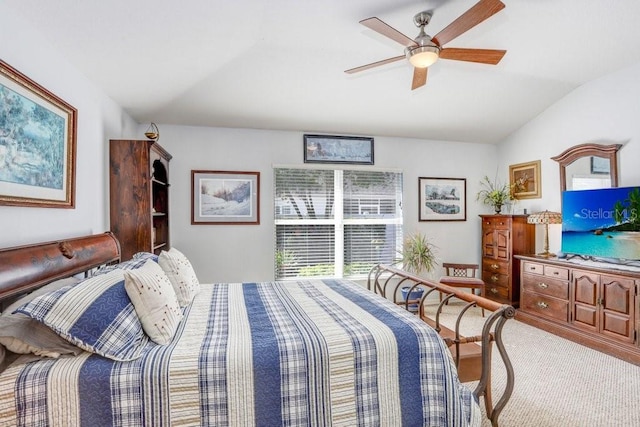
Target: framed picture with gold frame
point(524, 179)
point(37, 144)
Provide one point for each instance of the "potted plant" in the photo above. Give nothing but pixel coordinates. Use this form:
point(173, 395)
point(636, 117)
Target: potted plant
point(418, 256)
point(494, 194)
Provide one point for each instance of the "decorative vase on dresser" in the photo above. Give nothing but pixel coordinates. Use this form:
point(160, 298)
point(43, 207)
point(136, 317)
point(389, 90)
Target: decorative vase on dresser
point(504, 236)
point(139, 195)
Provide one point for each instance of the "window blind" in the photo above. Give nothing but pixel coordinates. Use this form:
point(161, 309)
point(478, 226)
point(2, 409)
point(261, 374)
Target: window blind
point(335, 223)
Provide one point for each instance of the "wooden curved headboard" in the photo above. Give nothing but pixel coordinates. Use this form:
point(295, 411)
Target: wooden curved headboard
point(24, 268)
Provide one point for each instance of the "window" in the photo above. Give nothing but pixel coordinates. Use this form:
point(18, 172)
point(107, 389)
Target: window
point(335, 223)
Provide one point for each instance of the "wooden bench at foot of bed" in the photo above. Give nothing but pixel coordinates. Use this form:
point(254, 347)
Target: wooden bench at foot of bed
point(472, 354)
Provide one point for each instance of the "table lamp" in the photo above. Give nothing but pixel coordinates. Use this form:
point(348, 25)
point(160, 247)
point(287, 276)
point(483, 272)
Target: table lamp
point(546, 218)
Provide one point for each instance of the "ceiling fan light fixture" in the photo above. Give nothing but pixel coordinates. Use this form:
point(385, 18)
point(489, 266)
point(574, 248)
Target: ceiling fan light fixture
point(423, 56)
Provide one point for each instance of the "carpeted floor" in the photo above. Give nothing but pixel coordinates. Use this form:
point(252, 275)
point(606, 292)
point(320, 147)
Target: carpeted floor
point(558, 382)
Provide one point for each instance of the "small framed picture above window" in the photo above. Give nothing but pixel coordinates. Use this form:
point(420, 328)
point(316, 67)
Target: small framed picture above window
point(338, 149)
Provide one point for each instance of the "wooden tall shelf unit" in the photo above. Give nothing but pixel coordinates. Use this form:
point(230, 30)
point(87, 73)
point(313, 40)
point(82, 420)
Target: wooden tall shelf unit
point(139, 196)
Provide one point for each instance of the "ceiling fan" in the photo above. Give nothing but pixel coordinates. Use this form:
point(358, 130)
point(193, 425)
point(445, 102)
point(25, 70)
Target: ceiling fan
point(425, 50)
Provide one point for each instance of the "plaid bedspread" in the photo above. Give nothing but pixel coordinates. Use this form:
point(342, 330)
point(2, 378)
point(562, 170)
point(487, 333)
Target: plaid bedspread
point(306, 353)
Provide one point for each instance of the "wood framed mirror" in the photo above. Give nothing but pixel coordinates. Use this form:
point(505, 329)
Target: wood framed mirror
point(588, 166)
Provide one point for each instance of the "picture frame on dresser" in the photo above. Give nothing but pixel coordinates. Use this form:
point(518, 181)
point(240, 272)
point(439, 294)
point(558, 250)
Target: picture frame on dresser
point(225, 197)
point(442, 199)
point(38, 145)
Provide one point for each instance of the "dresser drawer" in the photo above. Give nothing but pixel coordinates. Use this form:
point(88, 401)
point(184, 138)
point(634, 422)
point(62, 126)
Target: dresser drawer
point(545, 285)
point(545, 306)
point(495, 279)
point(533, 267)
point(498, 293)
point(546, 270)
point(495, 266)
point(500, 222)
point(556, 272)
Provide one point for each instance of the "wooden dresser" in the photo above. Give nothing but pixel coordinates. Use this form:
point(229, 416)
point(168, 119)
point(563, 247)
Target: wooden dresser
point(594, 306)
point(504, 236)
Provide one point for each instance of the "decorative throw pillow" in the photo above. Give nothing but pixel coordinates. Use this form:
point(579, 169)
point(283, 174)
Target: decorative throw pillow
point(23, 335)
point(155, 301)
point(180, 272)
point(137, 261)
point(96, 315)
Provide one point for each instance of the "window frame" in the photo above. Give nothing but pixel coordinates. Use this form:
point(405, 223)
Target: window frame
point(339, 221)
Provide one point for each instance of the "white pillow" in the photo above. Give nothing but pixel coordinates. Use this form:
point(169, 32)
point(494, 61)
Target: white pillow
point(180, 272)
point(154, 300)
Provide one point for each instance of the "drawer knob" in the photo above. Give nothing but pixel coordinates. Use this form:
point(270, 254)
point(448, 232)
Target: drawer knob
point(542, 285)
point(495, 278)
point(542, 305)
point(495, 266)
point(493, 291)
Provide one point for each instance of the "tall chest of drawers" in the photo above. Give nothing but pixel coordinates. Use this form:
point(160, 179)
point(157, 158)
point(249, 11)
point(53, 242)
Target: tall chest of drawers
point(595, 306)
point(503, 237)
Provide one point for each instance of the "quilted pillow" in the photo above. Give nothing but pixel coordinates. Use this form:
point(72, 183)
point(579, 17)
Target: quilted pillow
point(181, 275)
point(137, 261)
point(96, 315)
point(23, 335)
point(154, 300)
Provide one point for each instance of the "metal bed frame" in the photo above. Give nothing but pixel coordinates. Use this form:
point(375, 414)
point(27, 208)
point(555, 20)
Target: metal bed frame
point(387, 281)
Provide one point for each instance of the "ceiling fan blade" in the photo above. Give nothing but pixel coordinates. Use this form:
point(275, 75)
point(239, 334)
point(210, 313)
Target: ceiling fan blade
point(419, 77)
point(375, 64)
point(483, 56)
point(388, 31)
point(479, 12)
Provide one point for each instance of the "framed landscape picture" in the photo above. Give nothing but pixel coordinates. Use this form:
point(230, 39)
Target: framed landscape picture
point(338, 149)
point(442, 199)
point(37, 144)
point(225, 197)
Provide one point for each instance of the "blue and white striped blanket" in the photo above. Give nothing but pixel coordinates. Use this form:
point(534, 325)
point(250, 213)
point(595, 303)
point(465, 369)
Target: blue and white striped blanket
point(306, 353)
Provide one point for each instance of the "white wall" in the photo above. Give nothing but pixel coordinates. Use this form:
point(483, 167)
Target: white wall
point(605, 111)
point(230, 253)
point(99, 119)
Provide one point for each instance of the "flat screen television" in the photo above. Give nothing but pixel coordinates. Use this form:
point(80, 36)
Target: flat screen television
point(602, 224)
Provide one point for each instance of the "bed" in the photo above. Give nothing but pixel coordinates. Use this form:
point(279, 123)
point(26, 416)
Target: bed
point(309, 352)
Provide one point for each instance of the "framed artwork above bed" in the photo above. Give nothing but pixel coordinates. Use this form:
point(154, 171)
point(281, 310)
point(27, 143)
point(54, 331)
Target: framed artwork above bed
point(37, 144)
point(225, 197)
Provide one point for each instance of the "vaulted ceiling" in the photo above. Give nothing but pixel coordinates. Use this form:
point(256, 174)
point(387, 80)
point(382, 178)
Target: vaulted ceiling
point(279, 64)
